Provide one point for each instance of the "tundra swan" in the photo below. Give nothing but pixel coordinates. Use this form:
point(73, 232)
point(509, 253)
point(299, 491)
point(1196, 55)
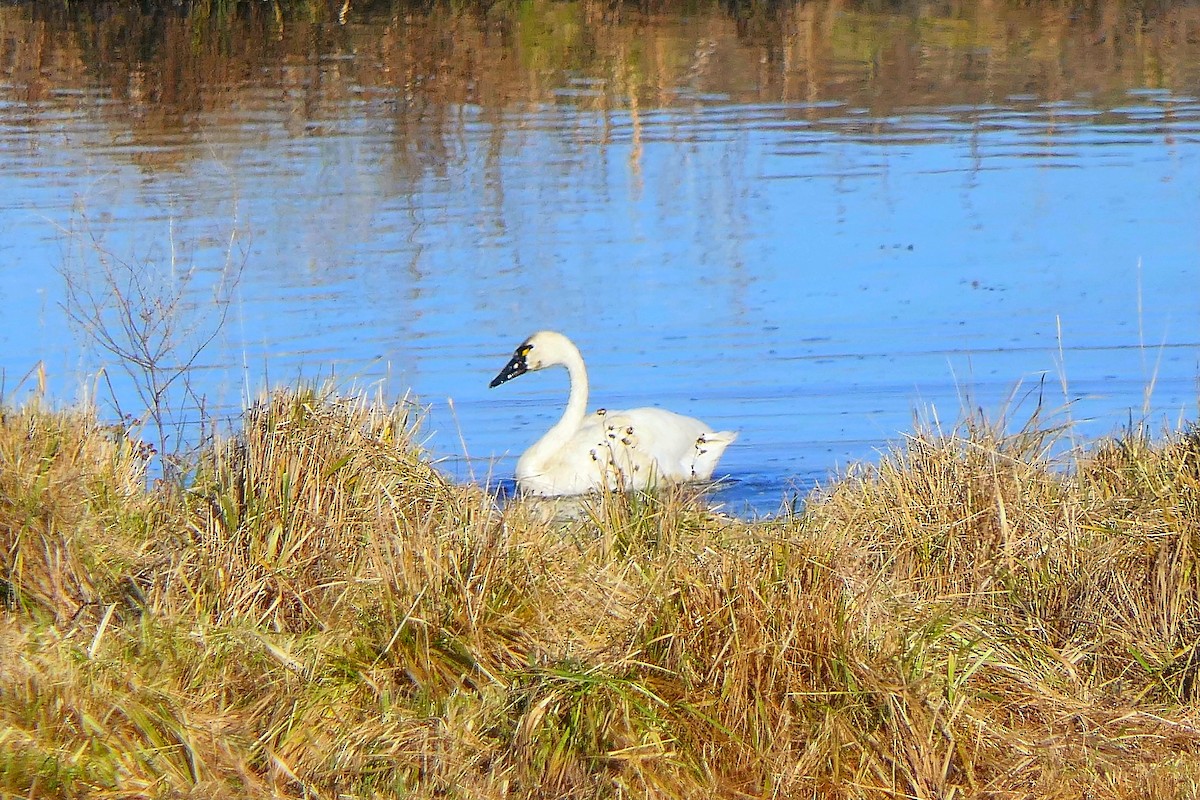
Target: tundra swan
point(607, 449)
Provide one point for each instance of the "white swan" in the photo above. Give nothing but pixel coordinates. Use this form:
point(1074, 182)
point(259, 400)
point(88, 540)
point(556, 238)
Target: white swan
point(607, 449)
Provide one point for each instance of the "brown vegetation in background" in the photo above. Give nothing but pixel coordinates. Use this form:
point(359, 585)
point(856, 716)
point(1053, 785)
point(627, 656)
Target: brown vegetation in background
point(176, 69)
point(320, 614)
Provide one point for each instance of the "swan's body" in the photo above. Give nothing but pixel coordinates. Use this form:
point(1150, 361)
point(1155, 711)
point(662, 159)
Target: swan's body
point(584, 452)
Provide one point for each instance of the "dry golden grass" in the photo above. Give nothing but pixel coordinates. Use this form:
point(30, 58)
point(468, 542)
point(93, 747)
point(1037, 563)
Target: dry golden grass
point(320, 614)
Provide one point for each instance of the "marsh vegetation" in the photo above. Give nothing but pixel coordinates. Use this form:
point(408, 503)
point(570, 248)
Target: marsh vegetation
point(320, 614)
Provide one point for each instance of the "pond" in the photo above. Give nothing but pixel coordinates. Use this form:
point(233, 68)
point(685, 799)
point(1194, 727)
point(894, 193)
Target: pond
point(817, 224)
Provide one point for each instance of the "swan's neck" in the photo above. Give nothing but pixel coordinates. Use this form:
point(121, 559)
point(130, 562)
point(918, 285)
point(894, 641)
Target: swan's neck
point(543, 451)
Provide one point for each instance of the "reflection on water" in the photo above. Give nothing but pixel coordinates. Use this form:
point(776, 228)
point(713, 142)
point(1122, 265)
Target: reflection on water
point(801, 224)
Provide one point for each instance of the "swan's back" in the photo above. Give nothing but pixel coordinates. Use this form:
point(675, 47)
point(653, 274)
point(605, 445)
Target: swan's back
point(683, 448)
point(633, 449)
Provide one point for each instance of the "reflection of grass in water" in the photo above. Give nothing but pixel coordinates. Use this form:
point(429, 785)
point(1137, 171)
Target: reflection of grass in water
point(321, 614)
point(170, 62)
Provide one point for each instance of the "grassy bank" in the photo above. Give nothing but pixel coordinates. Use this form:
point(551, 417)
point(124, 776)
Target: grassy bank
point(322, 615)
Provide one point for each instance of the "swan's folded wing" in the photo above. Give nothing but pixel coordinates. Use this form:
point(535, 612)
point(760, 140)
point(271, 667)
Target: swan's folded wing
point(647, 445)
point(633, 449)
point(616, 445)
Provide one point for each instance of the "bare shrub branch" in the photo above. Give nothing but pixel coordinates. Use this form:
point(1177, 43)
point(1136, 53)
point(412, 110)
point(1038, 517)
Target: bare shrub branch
point(150, 314)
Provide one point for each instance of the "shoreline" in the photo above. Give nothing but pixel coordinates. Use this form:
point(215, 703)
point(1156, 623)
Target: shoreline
point(321, 613)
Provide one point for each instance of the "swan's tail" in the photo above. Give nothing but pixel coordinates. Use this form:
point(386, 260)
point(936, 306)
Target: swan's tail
point(710, 446)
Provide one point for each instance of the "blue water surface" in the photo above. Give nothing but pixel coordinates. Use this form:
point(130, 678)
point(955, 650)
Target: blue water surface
point(813, 277)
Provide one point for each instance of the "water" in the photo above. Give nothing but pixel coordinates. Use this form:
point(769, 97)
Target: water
point(809, 237)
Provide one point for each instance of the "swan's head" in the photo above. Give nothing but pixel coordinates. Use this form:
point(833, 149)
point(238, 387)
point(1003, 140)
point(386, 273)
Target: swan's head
point(543, 349)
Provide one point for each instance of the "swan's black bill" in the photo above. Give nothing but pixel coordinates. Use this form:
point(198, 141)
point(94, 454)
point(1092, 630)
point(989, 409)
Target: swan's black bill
point(516, 366)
